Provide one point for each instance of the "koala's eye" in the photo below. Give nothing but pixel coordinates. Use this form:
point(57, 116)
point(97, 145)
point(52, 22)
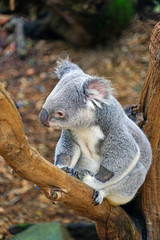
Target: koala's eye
point(59, 114)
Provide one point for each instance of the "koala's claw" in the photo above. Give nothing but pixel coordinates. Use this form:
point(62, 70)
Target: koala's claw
point(70, 171)
point(98, 198)
point(95, 194)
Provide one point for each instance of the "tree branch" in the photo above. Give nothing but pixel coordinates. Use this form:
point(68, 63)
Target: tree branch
point(112, 222)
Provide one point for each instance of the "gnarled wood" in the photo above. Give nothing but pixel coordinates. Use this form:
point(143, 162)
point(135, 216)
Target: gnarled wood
point(112, 222)
point(150, 106)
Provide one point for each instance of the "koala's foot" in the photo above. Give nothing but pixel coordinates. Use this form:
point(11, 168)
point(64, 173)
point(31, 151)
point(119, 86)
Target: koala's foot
point(98, 197)
point(83, 174)
point(70, 171)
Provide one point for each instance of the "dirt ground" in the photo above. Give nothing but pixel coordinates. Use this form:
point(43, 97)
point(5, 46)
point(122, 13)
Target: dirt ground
point(124, 61)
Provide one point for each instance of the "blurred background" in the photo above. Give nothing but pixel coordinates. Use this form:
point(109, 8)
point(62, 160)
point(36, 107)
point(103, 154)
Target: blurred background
point(104, 37)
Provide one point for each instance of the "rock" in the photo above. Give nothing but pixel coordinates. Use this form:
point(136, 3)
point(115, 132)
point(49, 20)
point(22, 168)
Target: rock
point(44, 231)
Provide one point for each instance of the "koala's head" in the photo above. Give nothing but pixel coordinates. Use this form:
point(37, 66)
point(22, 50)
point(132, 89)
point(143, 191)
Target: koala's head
point(72, 103)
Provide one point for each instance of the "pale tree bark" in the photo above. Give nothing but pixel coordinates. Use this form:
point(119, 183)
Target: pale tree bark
point(112, 222)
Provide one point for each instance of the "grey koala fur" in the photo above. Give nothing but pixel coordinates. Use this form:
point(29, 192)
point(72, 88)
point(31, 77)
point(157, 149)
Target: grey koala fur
point(98, 143)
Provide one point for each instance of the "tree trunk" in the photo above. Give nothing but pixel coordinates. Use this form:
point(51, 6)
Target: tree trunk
point(150, 106)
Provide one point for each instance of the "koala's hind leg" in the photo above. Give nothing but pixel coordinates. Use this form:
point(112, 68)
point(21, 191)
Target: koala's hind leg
point(117, 199)
point(98, 196)
point(114, 199)
point(124, 191)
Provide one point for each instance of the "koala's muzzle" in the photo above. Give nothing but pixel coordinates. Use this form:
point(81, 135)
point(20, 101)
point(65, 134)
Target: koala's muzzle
point(43, 117)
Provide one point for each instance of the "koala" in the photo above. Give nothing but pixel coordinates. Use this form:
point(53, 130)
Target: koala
point(99, 144)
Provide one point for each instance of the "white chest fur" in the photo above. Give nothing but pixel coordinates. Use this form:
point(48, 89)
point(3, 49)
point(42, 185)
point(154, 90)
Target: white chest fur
point(87, 139)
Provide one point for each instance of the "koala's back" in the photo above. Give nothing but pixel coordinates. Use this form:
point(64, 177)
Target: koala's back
point(142, 141)
point(120, 126)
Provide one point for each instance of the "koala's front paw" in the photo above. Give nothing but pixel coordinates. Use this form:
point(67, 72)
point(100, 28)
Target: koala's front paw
point(70, 171)
point(98, 198)
point(67, 169)
point(83, 174)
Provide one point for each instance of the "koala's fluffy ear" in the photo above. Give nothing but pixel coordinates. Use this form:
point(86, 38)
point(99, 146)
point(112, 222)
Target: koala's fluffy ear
point(64, 66)
point(97, 89)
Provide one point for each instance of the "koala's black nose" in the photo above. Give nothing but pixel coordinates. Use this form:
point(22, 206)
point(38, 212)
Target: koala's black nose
point(43, 117)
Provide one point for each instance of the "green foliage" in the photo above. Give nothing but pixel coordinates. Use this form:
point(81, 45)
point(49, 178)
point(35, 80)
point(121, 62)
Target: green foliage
point(121, 11)
point(116, 16)
point(157, 7)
